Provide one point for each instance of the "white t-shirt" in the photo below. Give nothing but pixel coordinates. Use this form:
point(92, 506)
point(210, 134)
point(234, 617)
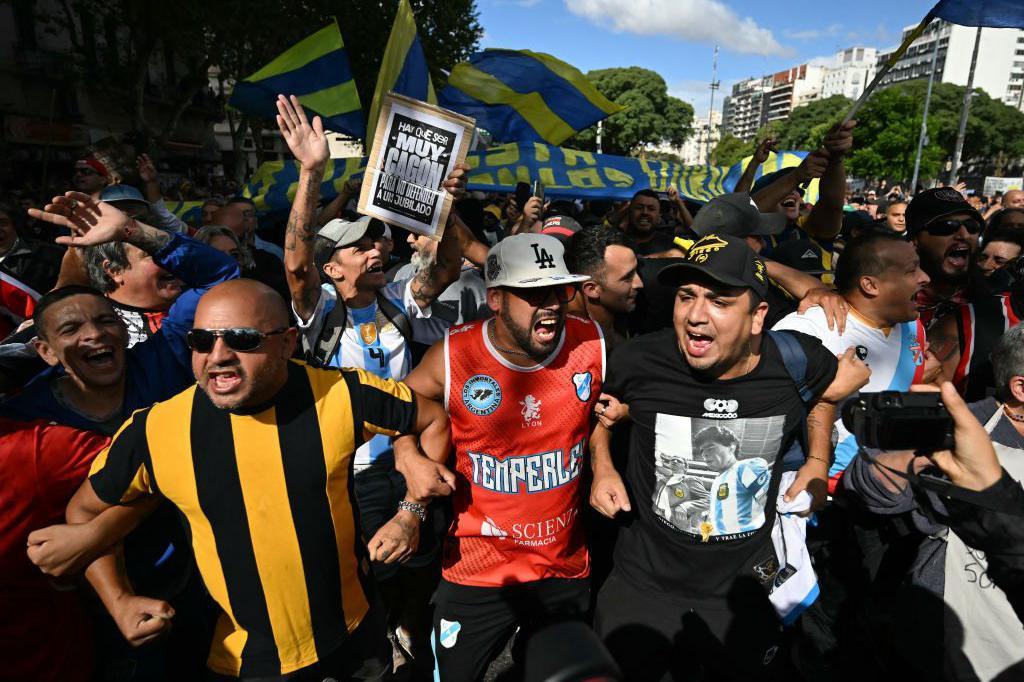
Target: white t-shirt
point(895, 356)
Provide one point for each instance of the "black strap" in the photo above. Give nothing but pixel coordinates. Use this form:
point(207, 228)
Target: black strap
point(330, 335)
point(945, 488)
point(795, 360)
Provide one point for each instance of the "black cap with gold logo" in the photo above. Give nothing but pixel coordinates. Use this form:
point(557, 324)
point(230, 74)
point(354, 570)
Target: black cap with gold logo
point(722, 258)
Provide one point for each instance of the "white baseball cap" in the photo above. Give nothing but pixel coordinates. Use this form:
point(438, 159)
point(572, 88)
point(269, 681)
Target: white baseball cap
point(526, 261)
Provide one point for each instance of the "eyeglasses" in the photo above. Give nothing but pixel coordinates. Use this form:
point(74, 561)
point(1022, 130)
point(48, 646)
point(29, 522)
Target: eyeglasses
point(539, 296)
point(85, 171)
point(949, 226)
point(242, 339)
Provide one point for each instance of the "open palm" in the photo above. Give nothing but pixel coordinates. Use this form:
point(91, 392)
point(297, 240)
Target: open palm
point(91, 222)
point(307, 142)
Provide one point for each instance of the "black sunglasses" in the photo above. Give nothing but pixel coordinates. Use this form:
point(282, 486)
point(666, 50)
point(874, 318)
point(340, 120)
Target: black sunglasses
point(948, 226)
point(242, 339)
point(538, 296)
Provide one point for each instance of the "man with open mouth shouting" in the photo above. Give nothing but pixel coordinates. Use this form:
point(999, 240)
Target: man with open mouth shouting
point(945, 230)
point(519, 388)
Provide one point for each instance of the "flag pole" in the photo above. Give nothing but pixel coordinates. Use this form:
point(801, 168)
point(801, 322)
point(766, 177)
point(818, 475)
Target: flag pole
point(924, 119)
point(962, 131)
point(882, 72)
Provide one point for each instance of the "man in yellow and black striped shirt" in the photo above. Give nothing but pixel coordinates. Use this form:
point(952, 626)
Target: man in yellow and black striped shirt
point(257, 457)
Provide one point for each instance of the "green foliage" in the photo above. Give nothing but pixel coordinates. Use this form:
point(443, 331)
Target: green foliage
point(806, 126)
point(888, 128)
point(652, 115)
point(730, 150)
point(448, 29)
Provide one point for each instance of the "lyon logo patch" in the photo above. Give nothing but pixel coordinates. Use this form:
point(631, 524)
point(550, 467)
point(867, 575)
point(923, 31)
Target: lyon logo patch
point(582, 382)
point(448, 632)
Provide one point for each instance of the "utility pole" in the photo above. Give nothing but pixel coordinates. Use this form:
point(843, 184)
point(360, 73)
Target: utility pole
point(711, 107)
point(923, 139)
point(962, 132)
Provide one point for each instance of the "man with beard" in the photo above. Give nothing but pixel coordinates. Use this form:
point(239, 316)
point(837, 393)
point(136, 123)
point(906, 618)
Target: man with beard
point(257, 457)
point(945, 230)
point(519, 389)
point(90, 176)
point(641, 221)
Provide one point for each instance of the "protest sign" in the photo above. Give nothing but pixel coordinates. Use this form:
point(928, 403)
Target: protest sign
point(415, 147)
point(1004, 185)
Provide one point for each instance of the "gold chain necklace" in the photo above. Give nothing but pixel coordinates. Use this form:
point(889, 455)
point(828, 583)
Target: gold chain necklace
point(494, 342)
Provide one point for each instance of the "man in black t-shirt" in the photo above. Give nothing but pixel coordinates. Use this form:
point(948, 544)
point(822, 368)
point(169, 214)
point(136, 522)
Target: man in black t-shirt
point(713, 409)
point(641, 221)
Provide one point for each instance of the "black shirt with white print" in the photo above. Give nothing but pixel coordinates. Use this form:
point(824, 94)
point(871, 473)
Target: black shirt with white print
point(705, 459)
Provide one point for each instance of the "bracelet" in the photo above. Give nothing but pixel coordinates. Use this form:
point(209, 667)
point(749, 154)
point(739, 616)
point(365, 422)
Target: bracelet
point(819, 459)
point(412, 507)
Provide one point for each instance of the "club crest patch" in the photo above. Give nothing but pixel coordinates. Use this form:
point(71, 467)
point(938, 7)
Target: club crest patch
point(481, 395)
point(448, 632)
point(582, 381)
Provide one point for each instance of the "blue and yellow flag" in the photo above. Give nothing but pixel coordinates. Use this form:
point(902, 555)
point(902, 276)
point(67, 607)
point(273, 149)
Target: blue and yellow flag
point(404, 69)
point(524, 96)
point(316, 70)
point(566, 173)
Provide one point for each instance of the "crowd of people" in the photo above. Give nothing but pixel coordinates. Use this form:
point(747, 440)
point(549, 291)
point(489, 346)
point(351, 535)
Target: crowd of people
point(566, 440)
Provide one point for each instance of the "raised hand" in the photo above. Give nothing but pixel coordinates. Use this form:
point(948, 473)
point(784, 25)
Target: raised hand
point(813, 166)
point(839, 139)
point(307, 142)
point(455, 183)
point(91, 222)
point(147, 170)
point(766, 147)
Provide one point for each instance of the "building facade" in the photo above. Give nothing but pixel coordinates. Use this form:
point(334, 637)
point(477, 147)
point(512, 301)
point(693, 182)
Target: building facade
point(999, 71)
point(850, 72)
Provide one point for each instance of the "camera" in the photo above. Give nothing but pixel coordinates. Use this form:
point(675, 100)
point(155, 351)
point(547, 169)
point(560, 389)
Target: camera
point(891, 420)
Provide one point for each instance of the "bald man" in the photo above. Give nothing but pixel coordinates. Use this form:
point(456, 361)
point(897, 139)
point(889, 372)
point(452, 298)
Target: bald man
point(257, 457)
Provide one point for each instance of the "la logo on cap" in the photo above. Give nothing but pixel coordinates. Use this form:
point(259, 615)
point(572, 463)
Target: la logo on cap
point(704, 247)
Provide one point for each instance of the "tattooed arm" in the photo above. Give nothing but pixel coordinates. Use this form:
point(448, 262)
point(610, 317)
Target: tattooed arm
point(446, 265)
point(309, 146)
point(443, 268)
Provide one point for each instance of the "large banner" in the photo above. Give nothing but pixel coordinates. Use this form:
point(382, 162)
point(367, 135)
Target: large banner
point(566, 173)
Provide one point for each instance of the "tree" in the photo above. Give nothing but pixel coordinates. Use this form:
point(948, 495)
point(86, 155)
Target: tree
point(117, 45)
point(731, 150)
point(449, 31)
point(888, 127)
point(806, 126)
point(652, 116)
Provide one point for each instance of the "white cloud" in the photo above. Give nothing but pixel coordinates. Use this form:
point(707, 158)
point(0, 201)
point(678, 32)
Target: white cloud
point(706, 21)
point(814, 33)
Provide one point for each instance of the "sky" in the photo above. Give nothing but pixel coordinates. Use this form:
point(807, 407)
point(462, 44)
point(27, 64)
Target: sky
point(676, 38)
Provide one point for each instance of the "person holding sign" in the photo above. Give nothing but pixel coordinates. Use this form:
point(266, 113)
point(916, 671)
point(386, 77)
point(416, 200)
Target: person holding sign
point(349, 316)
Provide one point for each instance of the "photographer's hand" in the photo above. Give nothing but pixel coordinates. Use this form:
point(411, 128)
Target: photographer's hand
point(972, 462)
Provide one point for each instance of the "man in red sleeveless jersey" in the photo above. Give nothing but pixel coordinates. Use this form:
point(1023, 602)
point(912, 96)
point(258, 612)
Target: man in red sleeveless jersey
point(519, 389)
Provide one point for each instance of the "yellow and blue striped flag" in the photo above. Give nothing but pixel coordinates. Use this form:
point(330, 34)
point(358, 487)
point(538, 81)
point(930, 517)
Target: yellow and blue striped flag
point(995, 13)
point(404, 69)
point(524, 96)
point(315, 70)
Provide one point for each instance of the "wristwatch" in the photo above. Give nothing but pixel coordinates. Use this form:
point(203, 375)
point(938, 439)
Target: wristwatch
point(418, 509)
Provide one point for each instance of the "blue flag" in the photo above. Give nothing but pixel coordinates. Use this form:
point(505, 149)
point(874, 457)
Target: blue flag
point(315, 70)
point(524, 96)
point(994, 13)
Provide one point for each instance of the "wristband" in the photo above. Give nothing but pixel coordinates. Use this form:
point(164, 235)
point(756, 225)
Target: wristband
point(412, 507)
point(820, 459)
